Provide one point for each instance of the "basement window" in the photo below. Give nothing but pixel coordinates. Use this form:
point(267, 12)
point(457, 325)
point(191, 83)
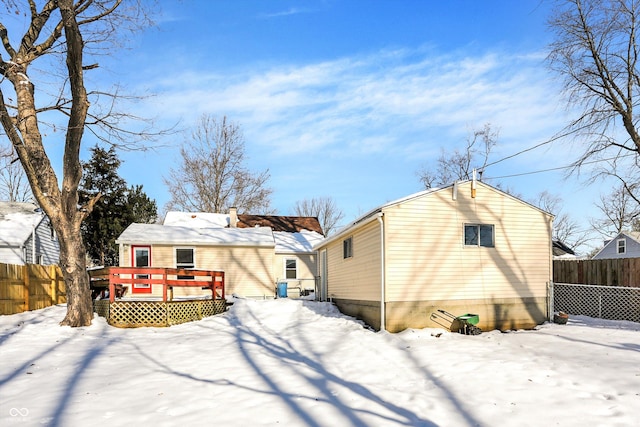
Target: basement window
point(479, 235)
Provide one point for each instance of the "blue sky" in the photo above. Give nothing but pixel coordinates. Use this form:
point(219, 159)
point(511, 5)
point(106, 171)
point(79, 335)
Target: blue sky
point(349, 99)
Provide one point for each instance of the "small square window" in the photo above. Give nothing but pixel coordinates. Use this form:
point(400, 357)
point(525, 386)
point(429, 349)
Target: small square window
point(347, 248)
point(291, 269)
point(479, 235)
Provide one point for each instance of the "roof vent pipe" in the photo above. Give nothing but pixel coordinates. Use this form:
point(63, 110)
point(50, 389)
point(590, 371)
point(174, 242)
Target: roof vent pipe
point(233, 217)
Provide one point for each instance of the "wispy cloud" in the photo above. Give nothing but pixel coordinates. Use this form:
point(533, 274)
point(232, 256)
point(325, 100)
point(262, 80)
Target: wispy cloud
point(288, 12)
point(393, 100)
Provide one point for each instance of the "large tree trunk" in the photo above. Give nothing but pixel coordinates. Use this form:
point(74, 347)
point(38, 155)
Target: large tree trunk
point(76, 280)
point(59, 203)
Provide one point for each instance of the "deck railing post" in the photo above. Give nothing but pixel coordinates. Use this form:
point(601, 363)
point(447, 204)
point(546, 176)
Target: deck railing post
point(112, 286)
point(164, 285)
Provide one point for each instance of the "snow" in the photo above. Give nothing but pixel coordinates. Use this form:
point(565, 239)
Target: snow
point(302, 363)
point(197, 219)
point(302, 241)
point(17, 221)
point(162, 234)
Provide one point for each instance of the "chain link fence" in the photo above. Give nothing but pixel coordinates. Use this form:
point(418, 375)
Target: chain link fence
point(604, 302)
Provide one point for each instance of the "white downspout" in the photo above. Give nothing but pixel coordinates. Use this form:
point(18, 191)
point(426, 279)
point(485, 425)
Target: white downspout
point(33, 245)
point(382, 275)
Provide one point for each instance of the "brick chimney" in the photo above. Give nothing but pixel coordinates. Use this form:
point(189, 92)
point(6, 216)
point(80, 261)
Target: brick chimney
point(233, 217)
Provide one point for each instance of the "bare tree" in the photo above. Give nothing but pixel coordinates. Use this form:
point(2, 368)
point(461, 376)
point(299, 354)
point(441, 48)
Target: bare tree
point(57, 47)
point(212, 176)
point(323, 208)
point(618, 212)
point(596, 53)
point(459, 164)
point(565, 229)
point(14, 186)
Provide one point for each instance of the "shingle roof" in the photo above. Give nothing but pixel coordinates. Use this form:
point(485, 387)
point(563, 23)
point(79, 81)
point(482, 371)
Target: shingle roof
point(290, 224)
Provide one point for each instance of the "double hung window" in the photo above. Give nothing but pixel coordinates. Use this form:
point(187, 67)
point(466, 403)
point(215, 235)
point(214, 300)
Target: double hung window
point(290, 269)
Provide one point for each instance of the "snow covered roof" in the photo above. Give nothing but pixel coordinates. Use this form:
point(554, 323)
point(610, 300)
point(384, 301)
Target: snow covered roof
point(17, 221)
point(288, 234)
point(163, 234)
point(197, 219)
point(296, 242)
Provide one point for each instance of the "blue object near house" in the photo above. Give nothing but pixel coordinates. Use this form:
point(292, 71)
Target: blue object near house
point(282, 290)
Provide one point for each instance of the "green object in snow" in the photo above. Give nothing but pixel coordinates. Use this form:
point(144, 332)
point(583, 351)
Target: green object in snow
point(471, 319)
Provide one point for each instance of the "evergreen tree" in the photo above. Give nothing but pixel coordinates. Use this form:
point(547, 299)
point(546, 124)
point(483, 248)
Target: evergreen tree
point(116, 209)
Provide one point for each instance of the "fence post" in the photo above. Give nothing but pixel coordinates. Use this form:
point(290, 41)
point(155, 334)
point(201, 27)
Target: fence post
point(26, 285)
point(54, 285)
point(550, 308)
point(600, 303)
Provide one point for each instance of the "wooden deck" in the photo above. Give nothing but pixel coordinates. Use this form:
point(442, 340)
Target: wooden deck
point(120, 281)
point(136, 310)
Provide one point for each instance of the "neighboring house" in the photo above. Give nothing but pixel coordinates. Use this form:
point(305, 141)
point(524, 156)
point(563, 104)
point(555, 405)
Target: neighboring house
point(465, 248)
point(255, 252)
point(562, 251)
point(26, 235)
point(625, 245)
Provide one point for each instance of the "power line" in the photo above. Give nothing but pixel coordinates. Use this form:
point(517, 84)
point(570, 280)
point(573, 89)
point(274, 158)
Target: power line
point(548, 141)
point(555, 169)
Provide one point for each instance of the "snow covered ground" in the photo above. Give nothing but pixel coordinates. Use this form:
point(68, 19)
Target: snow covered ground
point(302, 363)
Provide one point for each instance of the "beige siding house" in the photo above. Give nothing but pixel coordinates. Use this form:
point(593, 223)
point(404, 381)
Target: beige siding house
point(482, 251)
point(245, 256)
point(252, 251)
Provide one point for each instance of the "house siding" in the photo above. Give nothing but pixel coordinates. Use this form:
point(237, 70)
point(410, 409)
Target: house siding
point(428, 267)
point(610, 250)
point(306, 270)
point(427, 260)
point(358, 277)
point(45, 245)
point(248, 270)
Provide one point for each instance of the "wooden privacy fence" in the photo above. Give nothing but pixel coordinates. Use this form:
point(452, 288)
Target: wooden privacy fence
point(605, 272)
point(30, 287)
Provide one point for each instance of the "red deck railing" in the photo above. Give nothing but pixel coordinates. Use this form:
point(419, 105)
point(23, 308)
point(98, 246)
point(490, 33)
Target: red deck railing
point(167, 277)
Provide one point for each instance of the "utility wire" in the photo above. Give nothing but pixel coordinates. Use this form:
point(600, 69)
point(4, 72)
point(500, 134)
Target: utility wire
point(553, 169)
point(548, 141)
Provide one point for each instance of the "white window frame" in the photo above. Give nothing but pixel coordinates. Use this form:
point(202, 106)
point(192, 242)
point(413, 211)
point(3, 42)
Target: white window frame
point(479, 243)
point(621, 249)
point(141, 287)
point(287, 269)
